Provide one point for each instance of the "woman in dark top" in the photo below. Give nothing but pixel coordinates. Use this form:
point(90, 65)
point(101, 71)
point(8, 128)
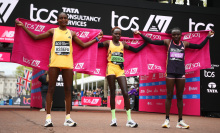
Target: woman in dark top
point(175, 70)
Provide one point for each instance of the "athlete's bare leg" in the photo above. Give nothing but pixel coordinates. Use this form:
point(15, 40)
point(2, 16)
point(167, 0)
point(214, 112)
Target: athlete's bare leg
point(170, 87)
point(53, 74)
point(180, 84)
point(123, 84)
point(111, 83)
point(68, 83)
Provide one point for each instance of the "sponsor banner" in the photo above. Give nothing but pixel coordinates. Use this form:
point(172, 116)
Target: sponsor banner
point(152, 94)
point(91, 101)
point(32, 53)
point(5, 57)
point(119, 102)
point(133, 62)
point(193, 59)
point(210, 88)
point(16, 100)
point(82, 14)
point(7, 34)
point(36, 98)
point(25, 100)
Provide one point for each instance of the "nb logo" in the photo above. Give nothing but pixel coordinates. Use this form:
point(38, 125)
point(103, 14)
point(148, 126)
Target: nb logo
point(160, 25)
point(8, 33)
point(7, 6)
point(0, 55)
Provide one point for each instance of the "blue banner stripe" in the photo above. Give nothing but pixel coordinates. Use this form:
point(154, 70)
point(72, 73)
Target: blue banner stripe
point(36, 90)
point(188, 96)
point(194, 79)
point(38, 74)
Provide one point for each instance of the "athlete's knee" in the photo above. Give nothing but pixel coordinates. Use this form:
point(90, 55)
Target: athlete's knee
point(179, 97)
point(169, 96)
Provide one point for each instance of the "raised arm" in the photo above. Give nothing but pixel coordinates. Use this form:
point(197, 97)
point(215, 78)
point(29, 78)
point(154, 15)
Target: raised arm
point(202, 44)
point(156, 42)
point(104, 44)
point(81, 43)
point(128, 47)
point(32, 35)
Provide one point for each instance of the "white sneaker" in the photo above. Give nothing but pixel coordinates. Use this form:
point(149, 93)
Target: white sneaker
point(70, 123)
point(131, 123)
point(182, 124)
point(166, 124)
point(113, 122)
point(48, 123)
point(43, 109)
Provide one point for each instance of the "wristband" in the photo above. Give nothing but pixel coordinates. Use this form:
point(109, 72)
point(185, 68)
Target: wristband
point(97, 39)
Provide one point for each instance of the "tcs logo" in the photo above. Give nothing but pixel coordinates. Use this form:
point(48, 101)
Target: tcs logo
point(52, 14)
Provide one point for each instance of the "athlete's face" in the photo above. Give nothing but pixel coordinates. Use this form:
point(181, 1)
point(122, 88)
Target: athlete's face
point(62, 19)
point(116, 35)
point(176, 35)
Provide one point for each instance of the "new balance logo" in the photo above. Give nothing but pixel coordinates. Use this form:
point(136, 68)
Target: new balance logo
point(6, 8)
point(0, 55)
point(79, 66)
point(160, 24)
point(8, 33)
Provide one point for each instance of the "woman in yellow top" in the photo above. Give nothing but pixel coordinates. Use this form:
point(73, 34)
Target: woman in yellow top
point(115, 70)
point(60, 58)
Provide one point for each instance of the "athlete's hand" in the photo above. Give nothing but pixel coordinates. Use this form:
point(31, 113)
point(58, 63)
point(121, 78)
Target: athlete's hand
point(211, 33)
point(19, 23)
point(137, 32)
point(100, 35)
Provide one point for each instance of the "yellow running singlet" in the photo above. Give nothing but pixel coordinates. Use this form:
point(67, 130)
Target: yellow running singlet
point(61, 54)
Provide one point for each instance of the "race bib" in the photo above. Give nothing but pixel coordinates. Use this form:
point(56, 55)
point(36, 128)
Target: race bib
point(176, 54)
point(62, 47)
point(117, 58)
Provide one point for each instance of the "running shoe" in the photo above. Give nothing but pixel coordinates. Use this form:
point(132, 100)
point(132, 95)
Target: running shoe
point(131, 123)
point(113, 123)
point(69, 122)
point(166, 124)
point(48, 123)
point(43, 109)
point(182, 124)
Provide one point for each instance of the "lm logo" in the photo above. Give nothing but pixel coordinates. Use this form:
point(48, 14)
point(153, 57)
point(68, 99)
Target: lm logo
point(118, 102)
point(97, 71)
point(6, 8)
point(79, 66)
point(83, 34)
point(160, 25)
point(95, 101)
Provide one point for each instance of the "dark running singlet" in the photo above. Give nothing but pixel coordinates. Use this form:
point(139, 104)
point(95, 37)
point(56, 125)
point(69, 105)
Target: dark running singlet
point(176, 58)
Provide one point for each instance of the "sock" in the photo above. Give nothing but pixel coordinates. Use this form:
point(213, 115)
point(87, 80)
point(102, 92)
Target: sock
point(113, 114)
point(167, 117)
point(180, 119)
point(129, 114)
point(67, 116)
point(48, 116)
